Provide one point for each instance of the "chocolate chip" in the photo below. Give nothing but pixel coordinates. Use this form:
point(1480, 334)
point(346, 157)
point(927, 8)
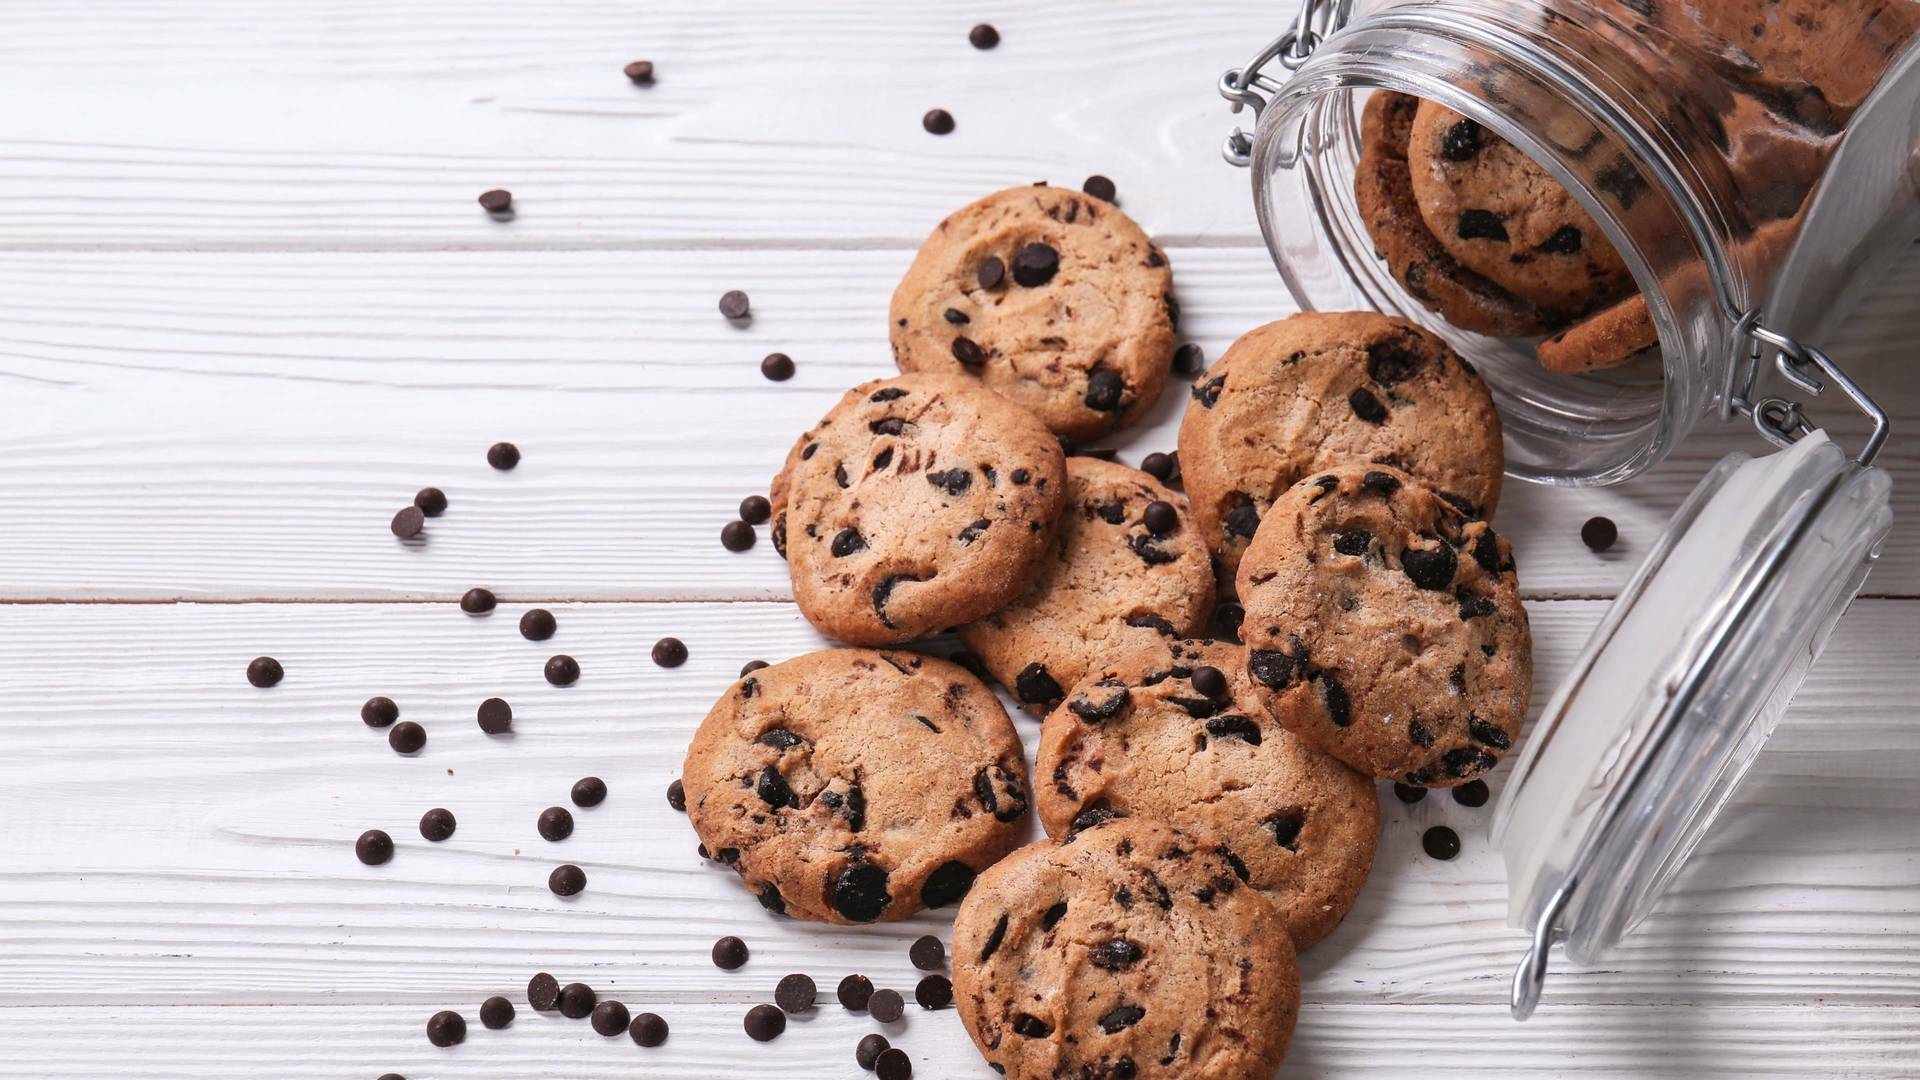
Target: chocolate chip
point(648, 1029)
point(478, 601)
point(1482, 732)
point(264, 671)
point(378, 712)
point(1052, 916)
point(1162, 467)
point(1430, 568)
point(1461, 141)
point(735, 305)
point(406, 737)
point(937, 122)
point(590, 791)
point(927, 954)
point(994, 939)
point(1243, 520)
point(1104, 388)
point(1599, 534)
point(1120, 1018)
point(496, 1012)
point(1339, 707)
point(1285, 827)
point(1188, 359)
point(893, 1064)
point(883, 590)
point(503, 455)
point(1160, 518)
point(773, 790)
point(447, 1028)
point(1473, 793)
point(1226, 621)
point(1474, 607)
point(1028, 1026)
point(408, 522)
point(869, 1050)
point(437, 824)
point(886, 1006)
point(729, 953)
point(934, 992)
point(495, 716)
point(1409, 794)
point(1353, 542)
point(966, 350)
point(795, 993)
point(991, 272)
point(777, 366)
point(1100, 188)
point(1366, 406)
point(1272, 668)
point(752, 666)
point(860, 892)
point(1115, 954)
point(537, 624)
point(1210, 681)
point(952, 481)
point(669, 652)
point(755, 509)
point(1035, 686)
point(955, 317)
point(854, 992)
point(555, 823)
point(1035, 264)
point(562, 670)
point(677, 796)
point(640, 72)
point(1383, 484)
point(567, 880)
point(1440, 842)
point(1234, 727)
point(496, 201)
point(1419, 734)
point(1481, 225)
point(1566, 240)
point(543, 992)
point(610, 1018)
point(1099, 703)
point(948, 883)
point(737, 536)
point(374, 847)
point(577, 1001)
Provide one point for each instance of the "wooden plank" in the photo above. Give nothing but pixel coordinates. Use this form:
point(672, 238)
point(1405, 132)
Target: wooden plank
point(220, 426)
point(216, 863)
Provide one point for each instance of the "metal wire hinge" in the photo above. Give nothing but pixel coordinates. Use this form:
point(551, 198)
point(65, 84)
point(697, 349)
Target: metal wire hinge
point(1246, 86)
point(1531, 975)
point(1779, 420)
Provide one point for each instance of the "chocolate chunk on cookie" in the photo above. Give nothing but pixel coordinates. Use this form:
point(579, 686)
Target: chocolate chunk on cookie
point(1130, 949)
point(1321, 389)
point(857, 785)
point(1174, 732)
point(1384, 626)
point(920, 502)
point(1053, 298)
point(1119, 573)
point(1383, 193)
point(1504, 217)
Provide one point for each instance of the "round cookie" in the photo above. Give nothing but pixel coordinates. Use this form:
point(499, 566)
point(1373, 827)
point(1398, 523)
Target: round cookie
point(1383, 194)
point(1502, 216)
point(1109, 581)
point(1385, 627)
point(1053, 298)
point(857, 785)
point(1607, 338)
point(1143, 737)
point(919, 503)
point(1321, 389)
point(1128, 950)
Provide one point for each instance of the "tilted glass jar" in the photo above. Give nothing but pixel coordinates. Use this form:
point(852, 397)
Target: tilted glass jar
point(1750, 198)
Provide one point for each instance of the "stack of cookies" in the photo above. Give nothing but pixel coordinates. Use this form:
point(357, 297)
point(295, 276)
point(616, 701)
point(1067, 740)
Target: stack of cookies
point(1209, 805)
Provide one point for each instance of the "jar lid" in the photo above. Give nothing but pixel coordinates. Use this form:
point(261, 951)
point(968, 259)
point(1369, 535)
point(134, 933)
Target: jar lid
point(1676, 691)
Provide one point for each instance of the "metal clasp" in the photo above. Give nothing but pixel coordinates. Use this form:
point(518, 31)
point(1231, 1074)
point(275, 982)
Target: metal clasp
point(1782, 421)
point(1246, 86)
point(1531, 975)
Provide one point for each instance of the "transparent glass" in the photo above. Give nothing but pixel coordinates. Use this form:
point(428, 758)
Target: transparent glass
point(1725, 188)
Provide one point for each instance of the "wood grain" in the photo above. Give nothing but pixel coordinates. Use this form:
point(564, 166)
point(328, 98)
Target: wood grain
point(215, 863)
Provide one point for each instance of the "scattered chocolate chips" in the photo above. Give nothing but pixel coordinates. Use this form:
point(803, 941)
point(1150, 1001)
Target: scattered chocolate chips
point(1035, 264)
point(406, 737)
point(378, 712)
point(1409, 794)
point(265, 671)
point(1473, 793)
point(408, 522)
point(543, 992)
point(869, 1050)
point(752, 666)
point(937, 122)
point(374, 847)
point(777, 366)
point(729, 953)
point(1100, 188)
point(1162, 467)
point(927, 953)
point(478, 601)
point(447, 1028)
point(495, 1013)
point(991, 272)
point(562, 670)
point(983, 36)
point(567, 880)
point(648, 1029)
point(735, 305)
point(577, 1001)
point(503, 455)
point(610, 1018)
point(737, 536)
point(436, 825)
point(495, 716)
point(854, 992)
point(640, 72)
point(555, 823)
point(1599, 534)
point(795, 993)
point(1440, 842)
point(677, 796)
point(886, 1006)
point(934, 992)
point(537, 624)
point(669, 652)
point(1188, 359)
point(590, 791)
point(496, 201)
point(1160, 518)
point(893, 1064)
point(431, 501)
point(755, 509)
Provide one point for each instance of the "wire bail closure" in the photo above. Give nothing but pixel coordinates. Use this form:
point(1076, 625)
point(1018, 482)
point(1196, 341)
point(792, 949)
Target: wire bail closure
point(1246, 87)
point(1782, 421)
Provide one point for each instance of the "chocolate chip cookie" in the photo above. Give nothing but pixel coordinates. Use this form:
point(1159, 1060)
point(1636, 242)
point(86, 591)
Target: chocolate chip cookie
point(1504, 217)
point(919, 503)
point(1383, 194)
point(1129, 949)
point(857, 785)
point(1321, 389)
point(1607, 338)
point(1173, 732)
point(1127, 567)
point(1384, 626)
point(1053, 298)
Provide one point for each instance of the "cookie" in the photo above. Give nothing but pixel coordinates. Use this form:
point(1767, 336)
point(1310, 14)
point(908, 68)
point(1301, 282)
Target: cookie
point(1130, 949)
point(1383, 194)
point(1173, 732)
point(1053, 298)
point(857, 785)
point(1502, 216)
point(1322, 389)
point(1127, 567)
point(919, 503)
point(1605, 339)
point(1384, 626)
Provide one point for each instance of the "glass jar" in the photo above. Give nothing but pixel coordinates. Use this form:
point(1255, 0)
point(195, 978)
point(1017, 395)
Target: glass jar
point(1751, 196)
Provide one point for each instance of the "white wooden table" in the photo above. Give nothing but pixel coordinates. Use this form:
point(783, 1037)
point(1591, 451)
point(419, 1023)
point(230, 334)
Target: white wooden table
point(250, 306)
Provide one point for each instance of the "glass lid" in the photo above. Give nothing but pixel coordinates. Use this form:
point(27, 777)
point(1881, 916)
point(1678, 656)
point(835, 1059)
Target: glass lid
point(1674, 694)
